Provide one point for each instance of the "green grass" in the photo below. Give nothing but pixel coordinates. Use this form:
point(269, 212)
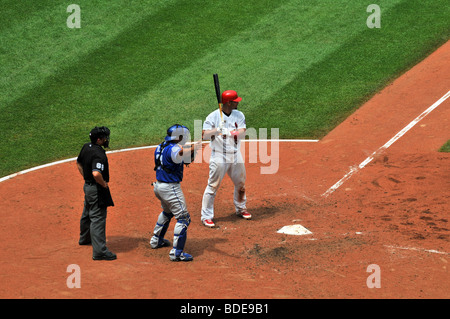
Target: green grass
point(140, 66)
point(446, 147)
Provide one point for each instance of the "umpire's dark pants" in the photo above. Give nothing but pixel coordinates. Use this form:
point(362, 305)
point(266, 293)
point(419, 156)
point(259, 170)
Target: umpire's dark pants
point(93, 221)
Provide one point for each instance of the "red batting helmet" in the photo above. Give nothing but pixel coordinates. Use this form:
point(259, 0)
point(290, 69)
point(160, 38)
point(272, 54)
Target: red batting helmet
point(230, 95)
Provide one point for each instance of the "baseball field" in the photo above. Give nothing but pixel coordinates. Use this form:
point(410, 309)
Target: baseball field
point(362, 159)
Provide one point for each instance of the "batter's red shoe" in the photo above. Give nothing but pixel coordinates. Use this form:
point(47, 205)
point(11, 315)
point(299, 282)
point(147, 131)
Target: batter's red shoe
point(208, 223)
point(244, 214)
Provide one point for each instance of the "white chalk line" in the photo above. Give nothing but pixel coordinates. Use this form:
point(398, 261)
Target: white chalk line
point(347, 176)
point(355, 169)
point(433, 251)
point(140, 148)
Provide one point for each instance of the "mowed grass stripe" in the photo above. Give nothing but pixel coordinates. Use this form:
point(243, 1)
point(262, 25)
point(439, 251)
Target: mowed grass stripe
point(13, 11)
point(37, 44)
point(257, 62)
point(51, 120)
point(322, 96)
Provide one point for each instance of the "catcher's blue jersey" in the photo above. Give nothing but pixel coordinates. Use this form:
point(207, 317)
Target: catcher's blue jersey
point(168, 170)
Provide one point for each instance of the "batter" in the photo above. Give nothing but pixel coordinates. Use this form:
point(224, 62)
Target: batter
point(225, 132)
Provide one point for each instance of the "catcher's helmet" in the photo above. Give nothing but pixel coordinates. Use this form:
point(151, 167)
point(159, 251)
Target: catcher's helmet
point(99, 132)
point(230, 95)
point(178, 131)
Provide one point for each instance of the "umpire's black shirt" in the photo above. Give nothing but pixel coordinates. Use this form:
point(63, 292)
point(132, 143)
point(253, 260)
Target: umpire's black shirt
point(93, 158)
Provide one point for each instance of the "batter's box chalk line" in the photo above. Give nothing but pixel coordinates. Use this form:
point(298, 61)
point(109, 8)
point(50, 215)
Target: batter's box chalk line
point(354, 169)
point(294, 230)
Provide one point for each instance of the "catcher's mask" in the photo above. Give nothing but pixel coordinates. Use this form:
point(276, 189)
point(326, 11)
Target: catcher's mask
point(178, 132)
point(100, 132)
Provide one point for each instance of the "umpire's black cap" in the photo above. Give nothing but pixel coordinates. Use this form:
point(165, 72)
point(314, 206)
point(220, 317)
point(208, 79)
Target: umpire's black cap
point(99, 132)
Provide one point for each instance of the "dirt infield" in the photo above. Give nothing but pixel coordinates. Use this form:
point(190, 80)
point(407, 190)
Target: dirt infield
point(392, 213)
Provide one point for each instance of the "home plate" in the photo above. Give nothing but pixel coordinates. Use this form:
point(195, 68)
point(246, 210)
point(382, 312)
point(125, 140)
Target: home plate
point(294, 230)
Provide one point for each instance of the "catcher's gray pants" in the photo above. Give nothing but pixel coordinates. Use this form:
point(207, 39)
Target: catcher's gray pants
point(218, 167)
point(93, 221)
point(173, 204)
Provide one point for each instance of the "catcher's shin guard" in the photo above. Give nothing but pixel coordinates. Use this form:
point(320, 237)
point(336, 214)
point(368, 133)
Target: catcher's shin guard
point(180, 234)
point(160, 229)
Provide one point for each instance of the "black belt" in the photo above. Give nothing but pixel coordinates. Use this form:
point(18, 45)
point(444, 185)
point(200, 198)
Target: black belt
point(90, 183)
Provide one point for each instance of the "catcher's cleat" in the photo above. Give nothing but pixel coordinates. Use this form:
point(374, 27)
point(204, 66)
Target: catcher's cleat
point(181, 257)
point(208, 223)
point(244, 214)
point(161, 243)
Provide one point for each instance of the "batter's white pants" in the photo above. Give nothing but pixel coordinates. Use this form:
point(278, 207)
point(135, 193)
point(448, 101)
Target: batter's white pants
point(217, 170)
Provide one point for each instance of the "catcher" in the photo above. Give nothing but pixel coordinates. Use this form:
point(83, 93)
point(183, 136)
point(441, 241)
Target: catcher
point(170, 158)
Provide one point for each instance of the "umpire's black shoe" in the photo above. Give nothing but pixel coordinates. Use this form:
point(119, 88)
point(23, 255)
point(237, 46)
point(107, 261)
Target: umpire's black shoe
point(106, 256)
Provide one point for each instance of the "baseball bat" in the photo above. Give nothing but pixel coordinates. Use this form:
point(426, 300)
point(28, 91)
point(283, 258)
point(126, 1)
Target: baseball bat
point(218, 95)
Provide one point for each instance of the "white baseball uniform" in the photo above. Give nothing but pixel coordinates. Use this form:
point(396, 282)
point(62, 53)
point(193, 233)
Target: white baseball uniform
point(226, 158)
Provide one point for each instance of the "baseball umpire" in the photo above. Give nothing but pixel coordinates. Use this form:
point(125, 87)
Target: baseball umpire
point(170, 157)
point(226, 158)
point(92, 163)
